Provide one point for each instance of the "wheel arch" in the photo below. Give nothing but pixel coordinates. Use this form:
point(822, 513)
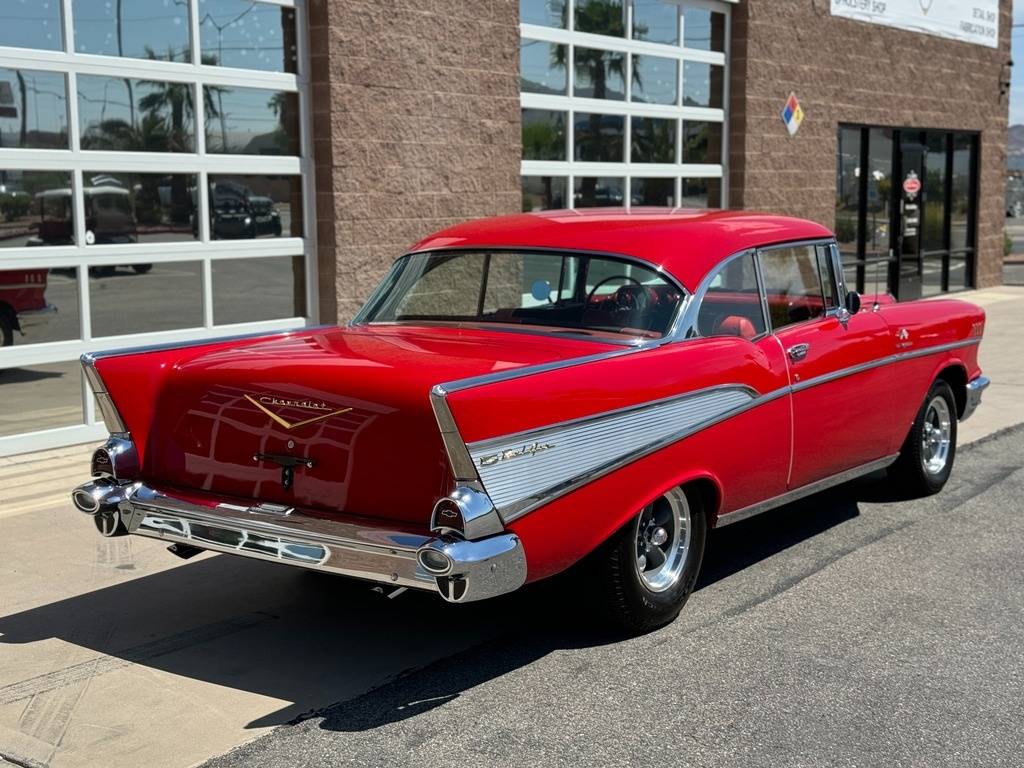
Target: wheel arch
point(955, 374)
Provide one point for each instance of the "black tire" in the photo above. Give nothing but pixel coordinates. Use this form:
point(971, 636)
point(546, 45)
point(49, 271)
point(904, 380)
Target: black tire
point(6, 330)
point(629, 602)
point(141, 269)
point(920, 471)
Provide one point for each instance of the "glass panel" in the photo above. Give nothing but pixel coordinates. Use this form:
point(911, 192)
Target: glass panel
point(32, 24)
point(33, 109)
point(589, 191)
point(35, 209)
point(135, 115)
point(41, 397)
point(542, 193)
point(248, 290)
point(144, 298)
point(656, 21)
point(255, 206)
point(701, 193)
point(143, 29)
point(547, 13)
point(703, 29)
point(959, 279)
point(38, 305)
point(652, 192)
point(575, 292)
point(879, 185)
point(249, 35)
point(599, 138)
point(935, 193)
point(961, 208)
point(848, 195)
point(702, 142)
point(702, 85)
point(251, 121)
point(601, 17)
point(792, 285)
point(543, 67)
point(654, 140)
point(828, 276)
point(655, 80)
point(600, 74)
point(732, 304)
point(139, 207)
point(544, 136)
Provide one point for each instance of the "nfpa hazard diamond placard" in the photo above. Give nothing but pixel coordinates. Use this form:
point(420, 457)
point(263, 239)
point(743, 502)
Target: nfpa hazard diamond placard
point(792, 114)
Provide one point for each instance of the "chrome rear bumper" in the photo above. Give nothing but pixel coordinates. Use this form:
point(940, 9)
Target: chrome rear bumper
point(465, 571)
point(975, 388)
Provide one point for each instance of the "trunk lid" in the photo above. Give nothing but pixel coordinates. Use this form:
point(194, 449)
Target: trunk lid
point(353, 402)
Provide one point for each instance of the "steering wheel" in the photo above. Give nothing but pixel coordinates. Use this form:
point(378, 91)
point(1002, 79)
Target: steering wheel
point(624, 302)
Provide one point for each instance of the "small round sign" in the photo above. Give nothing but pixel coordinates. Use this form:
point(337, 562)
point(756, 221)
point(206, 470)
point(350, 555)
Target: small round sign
point(912, 185)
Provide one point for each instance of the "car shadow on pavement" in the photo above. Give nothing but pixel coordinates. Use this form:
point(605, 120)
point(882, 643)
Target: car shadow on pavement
point(312, 640)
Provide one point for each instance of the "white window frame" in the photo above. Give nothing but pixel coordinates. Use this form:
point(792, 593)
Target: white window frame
point(570, 168)
point(204, 250)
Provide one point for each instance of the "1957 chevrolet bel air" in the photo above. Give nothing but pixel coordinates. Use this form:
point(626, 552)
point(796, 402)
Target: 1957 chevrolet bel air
point(527, 393)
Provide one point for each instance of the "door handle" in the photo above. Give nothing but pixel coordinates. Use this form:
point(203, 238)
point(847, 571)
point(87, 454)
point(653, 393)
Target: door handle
point(798, 351)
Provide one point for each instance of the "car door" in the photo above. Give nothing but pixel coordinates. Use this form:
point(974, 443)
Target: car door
point(731, 310)
point(838, 381)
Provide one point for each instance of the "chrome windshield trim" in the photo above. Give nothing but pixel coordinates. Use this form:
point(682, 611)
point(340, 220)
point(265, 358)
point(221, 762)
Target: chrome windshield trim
point(805, 490)
point(619, 341)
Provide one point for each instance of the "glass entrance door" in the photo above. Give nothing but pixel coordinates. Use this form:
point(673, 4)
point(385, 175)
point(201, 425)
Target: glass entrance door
point(905, 209)
point(910, 174)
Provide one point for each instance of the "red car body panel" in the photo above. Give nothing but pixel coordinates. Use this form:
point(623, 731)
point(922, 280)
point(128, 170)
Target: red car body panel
point(385, 460)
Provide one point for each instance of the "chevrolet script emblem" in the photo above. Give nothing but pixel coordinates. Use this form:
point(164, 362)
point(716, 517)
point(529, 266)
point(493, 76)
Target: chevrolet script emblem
point(266, 402)
point(514, 453)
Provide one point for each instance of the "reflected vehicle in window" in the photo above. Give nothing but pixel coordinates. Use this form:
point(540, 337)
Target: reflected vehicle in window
point(522, 395)
point(23, 304)
point(236, 212)
point(109, 216)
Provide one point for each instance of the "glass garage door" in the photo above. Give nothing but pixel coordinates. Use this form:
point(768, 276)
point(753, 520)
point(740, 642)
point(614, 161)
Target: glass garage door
point(623, 102)
point(155, 186)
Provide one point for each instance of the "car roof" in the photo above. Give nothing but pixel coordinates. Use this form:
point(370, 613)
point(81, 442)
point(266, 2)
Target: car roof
point(686, 243)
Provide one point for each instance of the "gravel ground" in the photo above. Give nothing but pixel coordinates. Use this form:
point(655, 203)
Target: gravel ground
point(850, 629)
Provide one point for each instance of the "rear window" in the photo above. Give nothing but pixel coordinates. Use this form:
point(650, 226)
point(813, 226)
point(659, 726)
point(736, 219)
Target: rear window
point(571, 292)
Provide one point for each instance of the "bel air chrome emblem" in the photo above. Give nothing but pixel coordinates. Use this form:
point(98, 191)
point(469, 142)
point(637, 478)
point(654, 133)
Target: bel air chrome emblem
point(266, 402)
point(514, 453)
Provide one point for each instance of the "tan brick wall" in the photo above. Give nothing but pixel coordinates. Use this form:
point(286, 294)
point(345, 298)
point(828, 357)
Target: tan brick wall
point(845, 71)
point(415, 124)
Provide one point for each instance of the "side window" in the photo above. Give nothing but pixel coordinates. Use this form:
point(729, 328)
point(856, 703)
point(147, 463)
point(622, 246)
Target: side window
point(828, 276)
point(732, 304)
point(792, 285)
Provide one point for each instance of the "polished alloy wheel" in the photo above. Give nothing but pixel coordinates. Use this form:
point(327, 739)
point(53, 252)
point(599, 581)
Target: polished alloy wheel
point(936, 436)
point(663, 540)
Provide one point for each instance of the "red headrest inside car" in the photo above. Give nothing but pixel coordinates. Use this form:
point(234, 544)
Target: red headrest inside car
point(734, 325)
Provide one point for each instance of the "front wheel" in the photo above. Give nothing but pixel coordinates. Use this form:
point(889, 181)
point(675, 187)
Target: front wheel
point(926, 458)
point(649, 567)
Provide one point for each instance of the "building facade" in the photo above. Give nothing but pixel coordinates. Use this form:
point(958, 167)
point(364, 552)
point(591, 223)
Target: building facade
point(181, 169)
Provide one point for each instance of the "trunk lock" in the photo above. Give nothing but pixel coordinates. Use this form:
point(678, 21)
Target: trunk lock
point(287, 464)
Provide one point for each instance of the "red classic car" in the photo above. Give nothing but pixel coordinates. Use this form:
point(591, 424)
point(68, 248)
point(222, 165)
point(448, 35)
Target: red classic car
point(528, 393)
point(23, 302)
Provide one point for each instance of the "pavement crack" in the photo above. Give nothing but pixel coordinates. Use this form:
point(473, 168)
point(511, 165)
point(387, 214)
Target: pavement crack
point(787, 584)
point(20, 762)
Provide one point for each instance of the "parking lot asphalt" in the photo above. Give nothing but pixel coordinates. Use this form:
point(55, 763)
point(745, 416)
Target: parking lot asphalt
point(851, 629)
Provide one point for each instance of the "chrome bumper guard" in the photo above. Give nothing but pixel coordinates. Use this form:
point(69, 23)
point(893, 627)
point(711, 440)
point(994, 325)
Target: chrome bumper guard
point(975, 388)
point(461, 571)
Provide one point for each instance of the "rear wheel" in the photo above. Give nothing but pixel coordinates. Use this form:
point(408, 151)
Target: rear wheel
point(649, 568)
point(926, 458)
point(6, 330)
